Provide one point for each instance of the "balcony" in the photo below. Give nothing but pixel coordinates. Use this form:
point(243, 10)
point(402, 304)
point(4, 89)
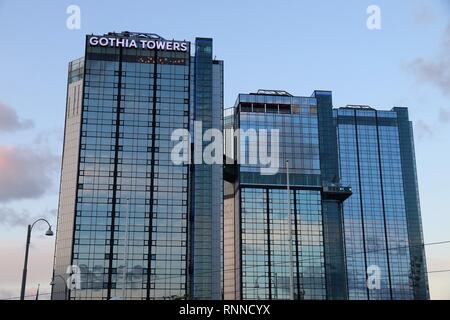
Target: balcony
point(336, 192)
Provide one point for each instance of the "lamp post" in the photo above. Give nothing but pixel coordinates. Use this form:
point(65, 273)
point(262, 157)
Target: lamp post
point(48, 233)
point(64, 281)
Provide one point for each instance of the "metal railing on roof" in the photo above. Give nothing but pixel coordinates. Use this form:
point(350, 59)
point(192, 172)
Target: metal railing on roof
point(136, 34)
point(358, 106)
point(274, 92)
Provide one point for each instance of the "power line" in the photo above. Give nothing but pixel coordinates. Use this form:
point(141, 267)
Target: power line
point(302, 260)
point(225, 292)
point(285, 262)
point(382, 278)
point(439, 271)
point(309, 259)
point(27, 296)
point(49, 293)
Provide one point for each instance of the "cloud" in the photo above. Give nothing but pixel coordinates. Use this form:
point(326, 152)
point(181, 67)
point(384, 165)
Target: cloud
point(25, 173)
point(424, 130)
point(11, 217)
point(10, 121)
point(444, 115)
point(435, 71)
point(49, 137)
point(424, 15)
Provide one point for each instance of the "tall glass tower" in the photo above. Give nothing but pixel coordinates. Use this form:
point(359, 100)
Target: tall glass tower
point(256, 224)
point(129, 221)
point(353, 196)
point(382, 219)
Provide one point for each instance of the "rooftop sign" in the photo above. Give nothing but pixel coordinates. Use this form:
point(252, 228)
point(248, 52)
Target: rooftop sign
point(149, 44)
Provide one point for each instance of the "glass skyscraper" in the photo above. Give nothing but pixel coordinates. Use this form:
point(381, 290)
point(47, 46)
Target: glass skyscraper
point(256, 242)
point(133, 224)
point(353, 197)
point(123, 202)
point(382, 220)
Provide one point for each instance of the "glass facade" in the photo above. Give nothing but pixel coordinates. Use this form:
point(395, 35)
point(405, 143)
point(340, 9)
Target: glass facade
point(207, 195)
point(375, 217)
point(130, 218)
point(353, 197)
point(263, 269)
point(296, 120)
point(138, 226)
point(265, 253)
point(334, 248)
point(418, 273)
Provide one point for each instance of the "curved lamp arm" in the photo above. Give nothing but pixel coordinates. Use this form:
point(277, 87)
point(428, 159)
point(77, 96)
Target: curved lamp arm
point(49, 232)
point(59, 276)
point(42, 219)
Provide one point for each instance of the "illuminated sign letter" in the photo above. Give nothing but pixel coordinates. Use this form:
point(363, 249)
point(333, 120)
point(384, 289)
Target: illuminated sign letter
point(103, 42)
point(93, 41)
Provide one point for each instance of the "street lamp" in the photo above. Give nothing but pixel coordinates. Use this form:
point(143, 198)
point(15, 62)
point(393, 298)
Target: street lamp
point(64, 281)
point(48, 233)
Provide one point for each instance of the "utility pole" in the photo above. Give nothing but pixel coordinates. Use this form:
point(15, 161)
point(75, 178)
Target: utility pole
point(24, 273)
point(291, 261)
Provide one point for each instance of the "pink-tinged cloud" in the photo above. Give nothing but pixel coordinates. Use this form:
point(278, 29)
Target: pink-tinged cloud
point(10, 121)
point(39, 266)
point(25, 173)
